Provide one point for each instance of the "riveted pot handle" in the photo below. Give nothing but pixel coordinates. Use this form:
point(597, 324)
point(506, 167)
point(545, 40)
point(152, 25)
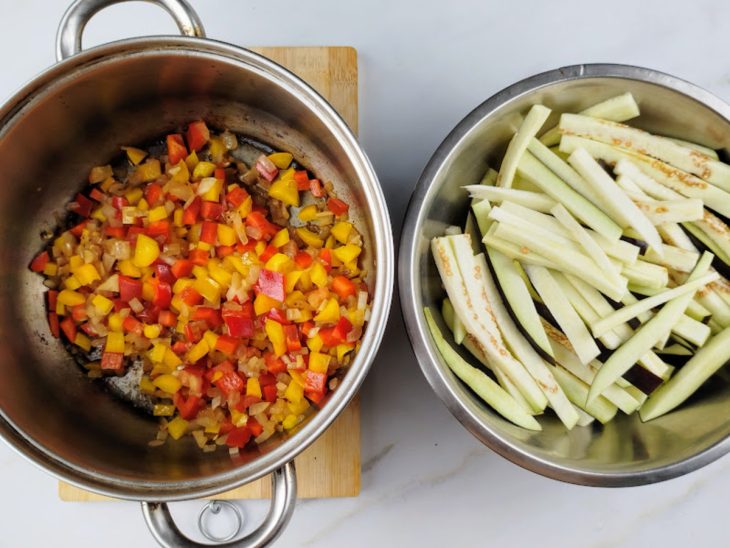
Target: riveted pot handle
point(68, 38)
point(284, 494)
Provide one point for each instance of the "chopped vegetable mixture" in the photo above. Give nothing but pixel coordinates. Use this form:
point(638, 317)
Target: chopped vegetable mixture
point(237, 289)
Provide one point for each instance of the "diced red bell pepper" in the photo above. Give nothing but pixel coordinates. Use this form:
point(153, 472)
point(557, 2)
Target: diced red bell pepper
point(303, 260)
point(211, 210)
point(306, 327)
point(153, 193)
point(83, 205)
point(40, 261)
point(266, 379)
point(150, 314)
point(269, 252)
point(97, 195)
point(342, 328)
point(316, 188)
point(257, 219)
point(245, 402)
point(337, 206)
point(52, 299)
point(325, 256)
point(53, 324)
point(118, 232)
point(190, 213)
point(182, 268)
point(78, 230)
point(239, 323)
point(343, 287)
point(209, 315)
point(132, 325)
point(191, 297)
point(112, 361)
point(236, 196)
point(167, 318)
point(220, 174)
point(118, 202)
point(314, 382)
point(224, 250)
point(269, 393)
point(129, 288)
point(159, 228)
point(278, 315)
point(254, 426)
point(330, 337)
point(193, 332)
point(176, 150)
point(197, 135)
point(78, 313)
point(274, 365)
point(88, 329)
point(230, 383)
point(132, 233)
point(199, 257)
point(162, 294)
point(271, 284)
point(238, 437)
point(181, 347)
point(208, 231)
point(163, 272)
point(266, 168)
point(227, 345)
point(302, 179)
point(187, 407)
point(291, 333)
point(226, 426)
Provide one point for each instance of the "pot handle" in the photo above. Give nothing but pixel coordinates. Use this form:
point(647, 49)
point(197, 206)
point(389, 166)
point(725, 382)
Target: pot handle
point(284, 493)
point(68, 37)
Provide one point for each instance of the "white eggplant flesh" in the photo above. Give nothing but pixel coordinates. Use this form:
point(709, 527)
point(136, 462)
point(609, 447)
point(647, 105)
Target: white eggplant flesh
point(533, 200)
point(577, 391)
point(534, 120)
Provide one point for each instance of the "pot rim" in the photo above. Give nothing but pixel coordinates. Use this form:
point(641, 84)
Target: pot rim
point(123, 488)
point(444, 384)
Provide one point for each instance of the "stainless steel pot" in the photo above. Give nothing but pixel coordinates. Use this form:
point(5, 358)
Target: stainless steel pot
point(626, 451)
point(75, 115)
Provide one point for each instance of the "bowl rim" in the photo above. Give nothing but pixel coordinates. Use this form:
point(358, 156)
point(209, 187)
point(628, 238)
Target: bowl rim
point(383, 250)
point(446, 386)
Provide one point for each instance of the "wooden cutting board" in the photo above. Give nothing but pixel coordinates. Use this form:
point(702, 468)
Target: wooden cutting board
point(331, 466)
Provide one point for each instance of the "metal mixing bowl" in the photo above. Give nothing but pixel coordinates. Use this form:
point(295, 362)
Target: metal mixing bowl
point(76, 115)
point(625, 451)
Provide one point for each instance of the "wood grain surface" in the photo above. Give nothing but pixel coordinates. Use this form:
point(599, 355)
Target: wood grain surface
point(331, 466)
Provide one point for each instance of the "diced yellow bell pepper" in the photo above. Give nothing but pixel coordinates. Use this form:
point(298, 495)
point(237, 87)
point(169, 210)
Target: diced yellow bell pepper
point(330, 242)
point(71, 298)
point(180, 284)
point(167, 383)
point(330, 313)
point(82, 341)
point(285, 190)
point(319, 362)
point(171, 360)
point(253, 388)
point(177, 427)
point(238, 418)
point(315, 343)
point(298, 408)
point(304, 316)
point(209, 289)
point(152, 331)
point(87, 274)
point(347, 253)
point(163, 410)
point(275, 332)
point(145, 385)
point(157, 354)
point(291, 279)
point(210, 338)
point(341, 231)
point(263, 304)
point(294, 392)
point(179, 174)
point(192, 160)
point(213, 428)
point(143, 205)
point(234, 261)
point(308, 213)
point(287, 173)
point(260, 248)
point(157, 214)
point(60, 309)
point(309, 238)
point(102, 304)
point(107, 183)
point(226, 235)
point(214, 192)
point(75, 261)
point(177, 217)
point(289, 422)
point(98, 214)
point(128, 268)
point(115, 322)
point(51, 269)
point(279, 263)
point(71, 283)
point(217, 149)
point(135, 155)
point(281, 159)
point(281, 238)
point(318, 274)
point(198, 351)
point(219, 274)
point(246, 207)
point(146, 251)
point(343, 349)
point(200, 272)
point(205, 246)
point(114, 342)
point(148, 290)
point(149, 171)
point(134, 195)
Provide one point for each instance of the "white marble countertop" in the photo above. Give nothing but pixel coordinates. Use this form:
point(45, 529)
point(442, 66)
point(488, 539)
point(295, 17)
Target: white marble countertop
point(426, 481)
